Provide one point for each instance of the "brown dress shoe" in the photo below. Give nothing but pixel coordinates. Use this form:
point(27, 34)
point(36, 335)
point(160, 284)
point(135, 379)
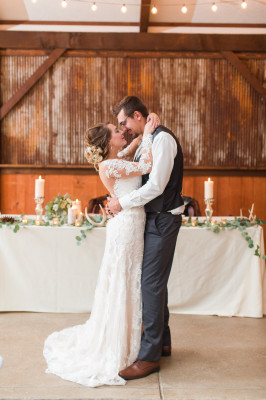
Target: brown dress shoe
point(139, 369)
point(166, 351)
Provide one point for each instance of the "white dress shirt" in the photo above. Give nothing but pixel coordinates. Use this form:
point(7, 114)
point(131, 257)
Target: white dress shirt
point(164, 150)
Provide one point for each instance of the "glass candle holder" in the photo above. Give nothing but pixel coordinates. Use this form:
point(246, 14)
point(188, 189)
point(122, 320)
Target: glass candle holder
point(79, 220)
point(24, 220)
point(38, 220)
point(55, 221)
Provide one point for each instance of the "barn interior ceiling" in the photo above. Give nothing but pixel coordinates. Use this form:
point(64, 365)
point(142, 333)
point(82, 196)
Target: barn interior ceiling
point(172, 16)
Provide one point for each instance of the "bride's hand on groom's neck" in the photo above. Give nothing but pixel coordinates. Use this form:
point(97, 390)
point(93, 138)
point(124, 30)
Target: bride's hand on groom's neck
point(154, 118)
point(150, 127)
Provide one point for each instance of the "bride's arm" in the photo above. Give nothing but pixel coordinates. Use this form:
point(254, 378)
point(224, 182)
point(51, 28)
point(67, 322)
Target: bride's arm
point(128, 152)
point(117, 168)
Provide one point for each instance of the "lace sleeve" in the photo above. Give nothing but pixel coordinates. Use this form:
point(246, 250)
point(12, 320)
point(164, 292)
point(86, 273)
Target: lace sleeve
point(128, 152)
point(117, 168)
point(125, 153)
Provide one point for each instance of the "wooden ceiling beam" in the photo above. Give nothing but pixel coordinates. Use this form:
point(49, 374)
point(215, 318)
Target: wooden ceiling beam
point(245, 72)
point(144, 15)
point(97, 41)
point(205, 25)
point(77, 23)
point(104, 23)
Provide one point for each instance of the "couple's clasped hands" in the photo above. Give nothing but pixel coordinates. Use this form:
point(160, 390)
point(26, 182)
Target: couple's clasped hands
point(113, 206)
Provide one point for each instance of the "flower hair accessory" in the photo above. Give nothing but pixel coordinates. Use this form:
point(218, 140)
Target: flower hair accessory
point(94, 154)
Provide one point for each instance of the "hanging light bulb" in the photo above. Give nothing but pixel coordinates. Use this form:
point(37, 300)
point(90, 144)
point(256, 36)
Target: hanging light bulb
point(244, 4)
point(214, 7)
point(64, 3)
point(154, 10)
point(184, 9)
point(94, 7)
point(123, 9)
point(33, 1)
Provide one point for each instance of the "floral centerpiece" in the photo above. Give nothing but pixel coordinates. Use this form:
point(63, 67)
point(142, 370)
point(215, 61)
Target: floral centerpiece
point(58, 207)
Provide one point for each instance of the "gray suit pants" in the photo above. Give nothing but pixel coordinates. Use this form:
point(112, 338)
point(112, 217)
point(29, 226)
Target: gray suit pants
point(159, 246)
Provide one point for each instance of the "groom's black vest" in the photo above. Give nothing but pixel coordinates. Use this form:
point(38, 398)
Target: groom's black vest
point(171, 197)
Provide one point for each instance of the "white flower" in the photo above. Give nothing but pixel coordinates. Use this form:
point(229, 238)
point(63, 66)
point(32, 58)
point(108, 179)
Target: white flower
point(55, 207)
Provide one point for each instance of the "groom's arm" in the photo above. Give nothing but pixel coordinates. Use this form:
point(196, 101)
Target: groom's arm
point(164, 150)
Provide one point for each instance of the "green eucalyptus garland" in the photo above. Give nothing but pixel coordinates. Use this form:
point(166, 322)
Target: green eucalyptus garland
point(237, 223)
point(215, 226)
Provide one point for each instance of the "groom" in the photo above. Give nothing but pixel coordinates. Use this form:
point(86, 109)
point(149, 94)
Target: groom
point(161, 195)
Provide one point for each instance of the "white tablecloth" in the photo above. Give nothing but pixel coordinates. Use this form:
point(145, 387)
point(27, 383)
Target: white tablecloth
point(42, 269)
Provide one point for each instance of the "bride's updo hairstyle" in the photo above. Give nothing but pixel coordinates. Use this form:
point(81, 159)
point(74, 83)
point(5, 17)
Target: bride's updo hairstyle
point(97, 144)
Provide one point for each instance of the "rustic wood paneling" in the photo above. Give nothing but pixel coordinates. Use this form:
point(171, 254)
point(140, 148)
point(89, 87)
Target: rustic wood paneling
point(218, 117)
point(231, 192)
point(17, 190)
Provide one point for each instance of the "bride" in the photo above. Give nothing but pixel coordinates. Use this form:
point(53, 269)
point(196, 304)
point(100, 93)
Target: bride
point(92, 354)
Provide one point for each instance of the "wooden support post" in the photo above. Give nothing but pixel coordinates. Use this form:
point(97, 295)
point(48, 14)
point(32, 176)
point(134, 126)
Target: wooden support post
point(244, 71)
point(53, 57)
point(144, 15)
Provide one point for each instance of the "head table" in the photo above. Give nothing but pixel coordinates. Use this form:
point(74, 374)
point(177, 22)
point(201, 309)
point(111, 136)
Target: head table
point(42, 269)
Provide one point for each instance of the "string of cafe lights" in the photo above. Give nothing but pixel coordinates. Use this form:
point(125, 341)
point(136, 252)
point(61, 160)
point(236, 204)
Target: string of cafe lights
point(154, 9)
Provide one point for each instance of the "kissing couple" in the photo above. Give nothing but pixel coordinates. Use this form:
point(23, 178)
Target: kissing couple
point(145, 183)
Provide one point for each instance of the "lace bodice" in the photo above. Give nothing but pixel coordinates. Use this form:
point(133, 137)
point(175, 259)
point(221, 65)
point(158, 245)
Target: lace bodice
point(126, 185)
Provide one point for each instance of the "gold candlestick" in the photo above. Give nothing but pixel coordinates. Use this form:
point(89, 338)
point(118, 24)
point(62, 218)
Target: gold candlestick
point(38, 209)
point(208, 209)
point(38, 220)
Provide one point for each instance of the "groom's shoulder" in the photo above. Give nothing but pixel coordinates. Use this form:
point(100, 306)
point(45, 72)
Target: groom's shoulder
point(164, 129)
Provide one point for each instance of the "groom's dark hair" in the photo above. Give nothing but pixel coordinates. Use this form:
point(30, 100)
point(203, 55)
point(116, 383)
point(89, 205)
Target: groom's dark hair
point(129, 104)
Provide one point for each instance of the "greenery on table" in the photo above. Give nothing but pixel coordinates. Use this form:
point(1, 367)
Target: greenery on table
point(16, 224)
point(237, 223)
point(58, 207)
point(215, 226)
point(86, 227)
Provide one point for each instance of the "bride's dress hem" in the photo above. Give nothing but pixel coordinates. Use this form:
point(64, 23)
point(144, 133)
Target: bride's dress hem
point(91, 382)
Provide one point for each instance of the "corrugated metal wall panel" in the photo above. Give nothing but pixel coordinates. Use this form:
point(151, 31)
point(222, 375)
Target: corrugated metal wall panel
point(25, 129)
point(218, 117)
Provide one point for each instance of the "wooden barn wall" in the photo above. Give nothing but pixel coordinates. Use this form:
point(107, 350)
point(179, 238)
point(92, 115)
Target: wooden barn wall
point(218, 117)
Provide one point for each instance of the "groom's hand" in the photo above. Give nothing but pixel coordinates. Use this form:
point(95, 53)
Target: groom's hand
point(113, 206)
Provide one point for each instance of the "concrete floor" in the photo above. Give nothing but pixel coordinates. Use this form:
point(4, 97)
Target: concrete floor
point(213, 358)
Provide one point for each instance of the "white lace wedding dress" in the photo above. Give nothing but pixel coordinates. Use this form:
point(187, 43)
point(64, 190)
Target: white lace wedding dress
point(92, 354)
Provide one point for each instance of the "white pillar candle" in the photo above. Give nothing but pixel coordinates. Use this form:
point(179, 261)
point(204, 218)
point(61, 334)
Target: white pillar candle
point(71, 216)
point(208, 189)
point(75, 210)
point(77, 203)
point(39, 187)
